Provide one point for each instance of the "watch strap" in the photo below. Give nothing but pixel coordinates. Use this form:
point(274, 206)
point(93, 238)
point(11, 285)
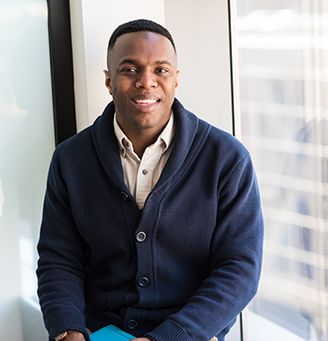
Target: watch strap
point(62, 336)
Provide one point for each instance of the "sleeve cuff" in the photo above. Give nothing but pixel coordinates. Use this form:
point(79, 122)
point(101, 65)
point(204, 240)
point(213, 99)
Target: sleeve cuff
point(168, 330)
point(66, 321)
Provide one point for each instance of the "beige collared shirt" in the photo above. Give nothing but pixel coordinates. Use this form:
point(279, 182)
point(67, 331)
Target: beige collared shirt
point(141, 175)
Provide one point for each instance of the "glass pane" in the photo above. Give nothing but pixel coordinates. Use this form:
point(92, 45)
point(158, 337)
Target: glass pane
point(26, 145)
point(281, 92)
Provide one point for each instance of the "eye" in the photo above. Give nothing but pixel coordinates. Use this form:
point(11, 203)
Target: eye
point(129, 70)
point(162, 70)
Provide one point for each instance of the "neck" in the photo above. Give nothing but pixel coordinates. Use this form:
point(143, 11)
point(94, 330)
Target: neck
point(142, 137)
point(141, 140)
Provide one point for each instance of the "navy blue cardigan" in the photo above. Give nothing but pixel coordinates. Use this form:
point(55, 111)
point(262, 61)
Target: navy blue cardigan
point(182, 269)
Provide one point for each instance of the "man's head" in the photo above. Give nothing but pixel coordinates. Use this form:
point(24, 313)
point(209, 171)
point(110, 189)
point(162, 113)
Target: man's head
point(139, 25)
point(142, 76)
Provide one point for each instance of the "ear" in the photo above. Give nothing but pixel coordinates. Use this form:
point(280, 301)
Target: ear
point(177, 79)
point(108, 81)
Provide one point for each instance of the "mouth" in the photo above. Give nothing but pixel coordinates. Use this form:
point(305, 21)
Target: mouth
point(145, 104)
point(145, 101)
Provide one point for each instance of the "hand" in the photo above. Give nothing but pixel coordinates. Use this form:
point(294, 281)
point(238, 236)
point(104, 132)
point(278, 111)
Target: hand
point(141, 339)
point(75, 336)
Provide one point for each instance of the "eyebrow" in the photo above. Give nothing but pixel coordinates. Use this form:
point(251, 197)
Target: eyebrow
point(135, 61)
point(128, 61)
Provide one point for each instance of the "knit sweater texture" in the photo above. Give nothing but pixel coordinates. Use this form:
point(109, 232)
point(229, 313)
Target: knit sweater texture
point(180, 270)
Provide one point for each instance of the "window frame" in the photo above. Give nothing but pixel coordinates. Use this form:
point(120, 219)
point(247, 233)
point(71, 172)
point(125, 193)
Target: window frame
point(62, 74)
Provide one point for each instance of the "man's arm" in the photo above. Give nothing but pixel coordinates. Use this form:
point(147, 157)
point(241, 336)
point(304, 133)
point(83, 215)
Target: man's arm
point(61, 263)
point(236, 256)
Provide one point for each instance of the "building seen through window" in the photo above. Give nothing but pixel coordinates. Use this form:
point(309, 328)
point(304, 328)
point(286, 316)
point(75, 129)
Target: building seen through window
point(281, 88)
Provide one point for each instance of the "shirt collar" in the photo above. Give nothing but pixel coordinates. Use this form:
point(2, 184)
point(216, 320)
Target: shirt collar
point(167, 135)
point(121, 137)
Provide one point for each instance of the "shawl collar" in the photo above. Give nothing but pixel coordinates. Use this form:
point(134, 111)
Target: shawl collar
point(190, 135)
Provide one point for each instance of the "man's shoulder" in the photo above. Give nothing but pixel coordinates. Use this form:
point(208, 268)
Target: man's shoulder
point(220, 135)
point(76, 142)
point(85, 139)
point(226, 147)
point(212, 137)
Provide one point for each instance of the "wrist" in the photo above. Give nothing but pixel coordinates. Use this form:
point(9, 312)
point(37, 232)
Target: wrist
point(70, 335)
point(62, 336)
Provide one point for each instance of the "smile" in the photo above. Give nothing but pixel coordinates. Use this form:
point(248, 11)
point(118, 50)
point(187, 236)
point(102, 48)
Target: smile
point(145, 104)
point(145, 101)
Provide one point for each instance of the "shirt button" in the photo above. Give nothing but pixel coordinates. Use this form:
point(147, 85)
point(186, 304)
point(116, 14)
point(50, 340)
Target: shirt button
point(124, 196)
point(131, 324)
point(145, 172)
point(143, 282)
point(141, 236)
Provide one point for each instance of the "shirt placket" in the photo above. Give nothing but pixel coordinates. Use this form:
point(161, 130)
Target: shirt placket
point(146, 172)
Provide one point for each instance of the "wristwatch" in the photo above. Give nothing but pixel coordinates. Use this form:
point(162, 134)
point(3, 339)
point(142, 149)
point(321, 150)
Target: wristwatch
point(62, 336)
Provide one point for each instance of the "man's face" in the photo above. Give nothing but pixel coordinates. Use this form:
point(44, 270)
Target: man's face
point(142, 78)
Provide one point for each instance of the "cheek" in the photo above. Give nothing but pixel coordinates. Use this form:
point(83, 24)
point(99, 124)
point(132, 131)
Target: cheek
point(171, 89)
point(120, 96)
point(121, 88)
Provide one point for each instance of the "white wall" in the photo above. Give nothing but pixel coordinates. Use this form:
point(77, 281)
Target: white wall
point(200, 30)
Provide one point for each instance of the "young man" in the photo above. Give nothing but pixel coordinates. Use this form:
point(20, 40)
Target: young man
point(152, 218)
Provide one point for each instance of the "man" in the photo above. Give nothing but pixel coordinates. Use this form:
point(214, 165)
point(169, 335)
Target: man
point(152, 218)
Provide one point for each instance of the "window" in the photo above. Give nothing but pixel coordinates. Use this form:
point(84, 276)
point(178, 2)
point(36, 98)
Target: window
point(26, 145)
point(280, 68)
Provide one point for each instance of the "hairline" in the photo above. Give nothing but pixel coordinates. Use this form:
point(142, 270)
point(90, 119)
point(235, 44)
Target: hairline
point(111, 47)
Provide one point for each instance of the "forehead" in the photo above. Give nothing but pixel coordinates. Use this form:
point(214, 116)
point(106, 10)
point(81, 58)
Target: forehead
point(143, 47)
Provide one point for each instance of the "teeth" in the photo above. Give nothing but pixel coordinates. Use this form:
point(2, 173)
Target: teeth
point(145, 101)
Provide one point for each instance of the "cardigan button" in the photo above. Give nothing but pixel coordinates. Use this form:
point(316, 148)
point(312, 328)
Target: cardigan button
point(131, 324)
point(141, 237)
point(125, 196)
point(143, 282)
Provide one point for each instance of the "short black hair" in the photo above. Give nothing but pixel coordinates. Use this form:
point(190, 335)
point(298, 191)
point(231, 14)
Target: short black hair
point(140, 25)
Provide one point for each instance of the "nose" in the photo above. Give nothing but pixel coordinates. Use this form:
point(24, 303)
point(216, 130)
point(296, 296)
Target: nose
point(146, 79)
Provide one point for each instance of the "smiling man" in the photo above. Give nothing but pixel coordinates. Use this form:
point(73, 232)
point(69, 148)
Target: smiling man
point(152, 219)
point(142, 79)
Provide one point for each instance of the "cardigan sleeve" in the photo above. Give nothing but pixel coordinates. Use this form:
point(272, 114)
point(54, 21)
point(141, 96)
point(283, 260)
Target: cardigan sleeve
point(61, 261)
point(236, 256)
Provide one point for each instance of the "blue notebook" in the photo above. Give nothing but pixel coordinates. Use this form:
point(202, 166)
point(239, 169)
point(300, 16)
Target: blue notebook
point(110, 333)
